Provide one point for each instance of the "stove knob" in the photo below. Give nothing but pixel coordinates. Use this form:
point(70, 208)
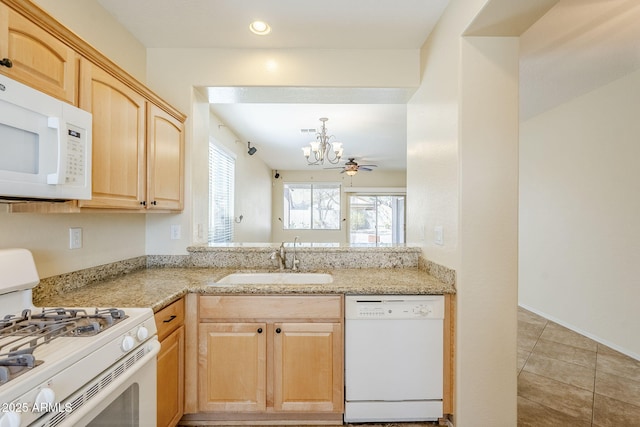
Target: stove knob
point(45, 396)
point(142, 333)
point(127, 343)
point(10, 419)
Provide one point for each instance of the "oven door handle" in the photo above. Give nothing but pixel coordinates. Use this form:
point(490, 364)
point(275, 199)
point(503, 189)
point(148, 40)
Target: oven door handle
point(90, 405)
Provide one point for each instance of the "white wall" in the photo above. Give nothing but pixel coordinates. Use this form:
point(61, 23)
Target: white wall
point(362, 179)
point(253, 188)
point(462, 175)
point(580, 204)
point(248, 67)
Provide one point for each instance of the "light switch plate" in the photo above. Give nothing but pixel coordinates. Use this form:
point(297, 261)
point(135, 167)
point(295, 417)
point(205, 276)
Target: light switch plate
point(438, 235)
point(75, 238)
point(176, 231)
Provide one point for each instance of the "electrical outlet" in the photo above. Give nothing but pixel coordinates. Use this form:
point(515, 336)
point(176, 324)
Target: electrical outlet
point(176, 231)
point(438, 235)
point(75, 238)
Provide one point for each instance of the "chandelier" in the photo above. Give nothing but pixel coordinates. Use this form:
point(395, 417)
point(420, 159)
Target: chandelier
point(322, 149)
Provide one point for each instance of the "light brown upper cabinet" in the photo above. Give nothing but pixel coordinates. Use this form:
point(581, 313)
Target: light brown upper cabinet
point(119, 166)
point(38, 59)
point(138, 148)
point(165, 160)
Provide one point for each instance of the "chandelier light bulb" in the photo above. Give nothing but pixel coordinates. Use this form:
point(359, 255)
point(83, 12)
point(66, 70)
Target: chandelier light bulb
point(322, 148)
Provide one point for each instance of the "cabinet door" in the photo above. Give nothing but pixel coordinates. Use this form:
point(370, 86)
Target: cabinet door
point(308, 373)
point(165, 160)
point(232, 366)
point(171, 379)
point(118, 177)
point(39, 59)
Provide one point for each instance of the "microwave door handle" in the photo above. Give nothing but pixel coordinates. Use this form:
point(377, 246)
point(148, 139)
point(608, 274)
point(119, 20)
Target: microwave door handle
point(59, 176)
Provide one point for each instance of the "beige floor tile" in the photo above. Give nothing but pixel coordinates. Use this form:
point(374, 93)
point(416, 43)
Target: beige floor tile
point(532, 414)
point(566, 353)
point(616, 363)
point(523, 355)
point(560, 334)
point(525, 342)
point(530, 317)
point(573, 401)
point(614, 413)
point(559, 370)
point(616, 387)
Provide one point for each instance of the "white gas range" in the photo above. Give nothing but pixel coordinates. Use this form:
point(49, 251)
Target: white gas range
point(71, 366)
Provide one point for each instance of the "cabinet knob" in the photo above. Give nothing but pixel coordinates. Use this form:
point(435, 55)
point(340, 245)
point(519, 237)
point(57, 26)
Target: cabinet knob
point(143, 203)
point(259, 330)
point(154, 203)
point(6, 62)
point(278, 330)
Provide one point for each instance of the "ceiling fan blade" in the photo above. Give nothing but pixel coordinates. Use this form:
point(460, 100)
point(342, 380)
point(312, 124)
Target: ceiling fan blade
point(369, 166)
point(364, 169)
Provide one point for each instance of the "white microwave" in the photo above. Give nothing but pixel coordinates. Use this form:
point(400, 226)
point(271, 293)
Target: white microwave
point(45, 146)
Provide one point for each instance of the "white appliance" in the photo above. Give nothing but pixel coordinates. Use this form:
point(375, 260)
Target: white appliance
point(393, 357)
point(72, 367)
point(45, 145)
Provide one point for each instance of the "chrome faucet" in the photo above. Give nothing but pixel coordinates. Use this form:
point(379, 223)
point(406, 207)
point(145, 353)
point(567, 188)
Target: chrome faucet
point(281, 256)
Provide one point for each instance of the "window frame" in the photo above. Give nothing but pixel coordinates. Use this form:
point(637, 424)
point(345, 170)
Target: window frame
point(312, 208)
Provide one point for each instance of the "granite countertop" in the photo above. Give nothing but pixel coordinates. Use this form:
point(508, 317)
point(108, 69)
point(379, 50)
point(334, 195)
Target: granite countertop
point(158, 287)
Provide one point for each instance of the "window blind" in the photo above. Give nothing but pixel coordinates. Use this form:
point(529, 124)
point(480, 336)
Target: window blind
point(221, 179)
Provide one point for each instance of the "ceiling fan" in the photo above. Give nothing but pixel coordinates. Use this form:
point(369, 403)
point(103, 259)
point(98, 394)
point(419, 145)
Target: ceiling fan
point(352, 167)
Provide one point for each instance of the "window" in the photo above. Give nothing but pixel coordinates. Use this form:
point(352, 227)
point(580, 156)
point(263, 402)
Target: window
point(312, 206)
point(376, 219)
point(221, 178)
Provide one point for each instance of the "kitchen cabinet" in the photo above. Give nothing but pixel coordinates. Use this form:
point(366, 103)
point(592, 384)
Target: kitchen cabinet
point(170, 380)
point(118, 164)
point(268, 358)
point(138, 138)
point(138, 149)
point(38, 59)
point(165, 160)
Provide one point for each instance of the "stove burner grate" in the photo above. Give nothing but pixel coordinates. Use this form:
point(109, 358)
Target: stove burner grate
point(21, 334)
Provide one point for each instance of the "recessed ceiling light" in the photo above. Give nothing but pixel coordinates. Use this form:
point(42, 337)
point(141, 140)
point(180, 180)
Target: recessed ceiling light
point(260, 28)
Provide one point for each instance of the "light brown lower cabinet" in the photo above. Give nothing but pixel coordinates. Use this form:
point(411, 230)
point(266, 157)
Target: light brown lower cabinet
point(268, 358)
point(170, 386)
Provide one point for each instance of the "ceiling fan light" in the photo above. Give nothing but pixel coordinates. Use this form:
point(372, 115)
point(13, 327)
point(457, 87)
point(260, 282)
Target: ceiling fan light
point(351, 172)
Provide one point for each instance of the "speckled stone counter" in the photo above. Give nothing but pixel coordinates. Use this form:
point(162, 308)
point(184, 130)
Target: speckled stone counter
point(158, 287)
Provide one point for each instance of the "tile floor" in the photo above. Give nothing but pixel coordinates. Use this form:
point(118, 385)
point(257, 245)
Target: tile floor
point(566, 379)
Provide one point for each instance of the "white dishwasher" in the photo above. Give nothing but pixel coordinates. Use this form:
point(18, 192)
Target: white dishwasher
point(393, 357)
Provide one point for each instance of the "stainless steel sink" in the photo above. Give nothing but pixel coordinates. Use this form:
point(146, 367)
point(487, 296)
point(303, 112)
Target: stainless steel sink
point(280, 278)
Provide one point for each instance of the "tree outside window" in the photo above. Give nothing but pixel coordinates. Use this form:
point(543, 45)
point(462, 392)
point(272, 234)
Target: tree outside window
point(312, 206)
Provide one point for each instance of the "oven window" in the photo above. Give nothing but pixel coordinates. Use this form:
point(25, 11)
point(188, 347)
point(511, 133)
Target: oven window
point(19, 150)
point(123, 412)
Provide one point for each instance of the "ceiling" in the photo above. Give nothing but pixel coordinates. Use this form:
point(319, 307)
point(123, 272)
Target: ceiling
point(577, 46)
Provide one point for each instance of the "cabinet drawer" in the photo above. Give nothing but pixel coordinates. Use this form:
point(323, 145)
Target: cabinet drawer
point(268, 307)
point(170, 318)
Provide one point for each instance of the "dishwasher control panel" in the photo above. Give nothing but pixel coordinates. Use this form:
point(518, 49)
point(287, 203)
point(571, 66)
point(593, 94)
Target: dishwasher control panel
point(394, 307)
